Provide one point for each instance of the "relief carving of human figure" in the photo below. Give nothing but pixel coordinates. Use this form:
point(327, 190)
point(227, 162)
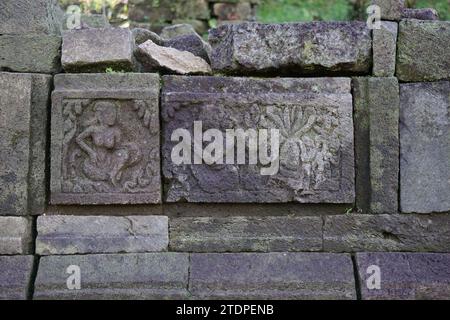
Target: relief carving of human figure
point(107, 155)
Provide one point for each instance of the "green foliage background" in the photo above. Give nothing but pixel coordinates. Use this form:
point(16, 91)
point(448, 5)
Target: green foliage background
point(338, 10)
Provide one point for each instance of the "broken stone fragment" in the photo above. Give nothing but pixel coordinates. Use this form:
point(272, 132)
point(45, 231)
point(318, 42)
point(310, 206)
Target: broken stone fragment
point(141, 35)
point(421, 14)
point(191, 43)
point(154, 57)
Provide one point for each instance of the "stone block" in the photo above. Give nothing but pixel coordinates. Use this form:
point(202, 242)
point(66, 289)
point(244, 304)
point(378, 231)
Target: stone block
point(421, 14)
point(376, 102)
point(105, 139)
point(101, 234)
point(272, 276)
point(425, 147)
point(114, 277)
point(241, 11)
point(237, 234)
point(313, 48)
point(15, 235)
point(386, 232)
point(86, 21)
point(23, 141)
point(38, 53)
point(385, 49)
point(15, 277)
point(191, 43)
point(29, 17)
point(95, 50)
point(390, 9)
point(168, 10)
point(423, 51)
point(405, 276)
point(312, 118)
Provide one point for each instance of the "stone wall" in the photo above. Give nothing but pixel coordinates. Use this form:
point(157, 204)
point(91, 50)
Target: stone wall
point(93, 174)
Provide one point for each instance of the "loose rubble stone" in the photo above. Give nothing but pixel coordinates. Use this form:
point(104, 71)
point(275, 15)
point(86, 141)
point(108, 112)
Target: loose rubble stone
point(295, 48)
point(421, 14)
point(142, 35)
point(177, 30)
point(23, 136)
point(99, 234)
point(15, 235)
point(272, 276)
point(425, 147)
point(266, 234)
point(15, 277)
point(95, 50)
point(158, 58)
point(87, 21)
point(390, 9)
point(405, 276)
point(385, 49)
point(377, 122)
point(422, 53)
point(315, 110)
point(105, 139)
point(29, 16)
point(115, 276)
point(360, 232)
point(38, 53)
point(191, 43)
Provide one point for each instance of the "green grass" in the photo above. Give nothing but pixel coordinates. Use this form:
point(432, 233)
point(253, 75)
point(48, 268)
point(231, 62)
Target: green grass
point(442, 6)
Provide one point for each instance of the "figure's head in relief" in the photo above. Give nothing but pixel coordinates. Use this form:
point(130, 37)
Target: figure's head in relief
point(106, 113)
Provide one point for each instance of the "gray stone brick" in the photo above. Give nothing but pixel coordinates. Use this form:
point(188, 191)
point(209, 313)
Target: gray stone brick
point(406, 276)
point(425, 147)
point(272, 276)
point(234, 234)
point(390, 9)
point(385, 49)
point(105, 139)
point(15, 277)
point(101, 234)
point(115, 276)
point(15, 235)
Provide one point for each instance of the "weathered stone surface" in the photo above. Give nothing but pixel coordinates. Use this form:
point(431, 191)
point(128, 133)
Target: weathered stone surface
point(314, 111)
point(95, 50)
point(25, 16)
point(423, 50)
point(376, 103)
point(87, 21)
point(264, 234)
point(390, 9)
point(23, 135)
point(15, 276)
point(38, 53)
point(193, 44)
point(182, 29)
point(115, 276)
point(233, 11)
point(200, 26)
point(15, 235)
point(361, 232)
point(294, 48)
point(421, 14)
point(425, 147)
point(100, 234)
point(142, 35)
point(405, 276)
point(105, 139)
point(165, 59)
point(167, 10)
point(385, 49)
point(272, 276)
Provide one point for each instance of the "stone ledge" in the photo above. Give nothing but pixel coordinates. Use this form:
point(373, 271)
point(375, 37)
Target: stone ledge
point(98, 234)
point(420, 276)
point(15, 235)
point(15, 277)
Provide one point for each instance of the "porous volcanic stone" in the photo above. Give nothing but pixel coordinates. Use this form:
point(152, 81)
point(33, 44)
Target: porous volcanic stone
point(405, 276)
point(191, 43)
point(15, 277)
point(99, 234)
point(95, 50)
point(421, 14)
point(390, 9)
point(272, 276)
point(23, 136)
point(142, 35)
point(425, 147)
point(37, 53)
point(393, 232)
point(423, 51)
point(105, 139)
point(266, 234)
point(294, 48)
point(115, 276)
point(15, 235)
point(385, 49)
point(315, 162)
